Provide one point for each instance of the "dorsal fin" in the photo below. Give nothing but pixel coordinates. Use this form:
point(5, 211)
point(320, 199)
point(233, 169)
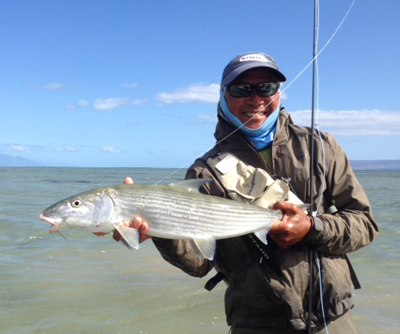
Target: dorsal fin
point(191, 185)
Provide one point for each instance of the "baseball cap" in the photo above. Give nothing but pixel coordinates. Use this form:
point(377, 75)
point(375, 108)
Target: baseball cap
point(247, 61)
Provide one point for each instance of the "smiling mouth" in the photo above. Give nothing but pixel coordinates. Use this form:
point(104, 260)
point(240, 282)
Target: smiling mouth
point(254, 114)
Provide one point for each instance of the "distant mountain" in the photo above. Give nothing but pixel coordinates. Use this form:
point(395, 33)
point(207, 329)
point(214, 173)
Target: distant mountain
point(375, 164)
point(9, 161)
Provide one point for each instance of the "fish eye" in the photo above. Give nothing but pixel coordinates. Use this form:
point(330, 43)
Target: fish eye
point(76, 203)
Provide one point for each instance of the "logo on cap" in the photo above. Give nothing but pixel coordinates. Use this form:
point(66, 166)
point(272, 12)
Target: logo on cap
point(254, 57)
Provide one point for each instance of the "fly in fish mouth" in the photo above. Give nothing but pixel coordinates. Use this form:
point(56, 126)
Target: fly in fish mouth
point(53, 221)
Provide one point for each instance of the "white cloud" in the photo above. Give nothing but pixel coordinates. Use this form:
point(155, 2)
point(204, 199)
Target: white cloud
point(69, 149)
point(21, 148)
point(109, 149)
point(54, 86)
point(139, 102)
point(130, 85)
point(194, 93)
point(110, 103)
point(353, 123)
point(77, 105)
point(17, 148)
point(207, 118)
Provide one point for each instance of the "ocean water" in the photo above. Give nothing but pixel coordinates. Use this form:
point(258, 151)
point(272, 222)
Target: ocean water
point(89, 284)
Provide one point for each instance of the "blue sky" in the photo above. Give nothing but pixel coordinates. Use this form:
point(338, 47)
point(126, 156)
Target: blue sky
point(121, 83)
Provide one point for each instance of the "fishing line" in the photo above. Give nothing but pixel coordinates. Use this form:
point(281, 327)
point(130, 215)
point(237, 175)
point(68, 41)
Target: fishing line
point(320, 291)
point(317, 99)
point(306, 67)
point(280, 92)
point(62, 235)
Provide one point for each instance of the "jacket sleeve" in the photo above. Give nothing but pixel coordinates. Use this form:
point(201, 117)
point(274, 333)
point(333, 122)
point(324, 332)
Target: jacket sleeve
point(352, 226)
point(180, 252)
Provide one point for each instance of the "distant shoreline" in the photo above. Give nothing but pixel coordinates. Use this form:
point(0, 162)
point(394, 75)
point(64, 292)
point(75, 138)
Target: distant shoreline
point(377, 165)
point(367, 165)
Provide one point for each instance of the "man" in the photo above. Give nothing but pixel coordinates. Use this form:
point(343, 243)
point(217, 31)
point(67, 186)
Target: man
point(270, 293)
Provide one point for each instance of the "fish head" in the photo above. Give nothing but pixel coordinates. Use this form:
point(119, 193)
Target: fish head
point(92, 210)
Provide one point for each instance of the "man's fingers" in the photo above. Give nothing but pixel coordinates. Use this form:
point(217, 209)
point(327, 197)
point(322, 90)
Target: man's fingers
point(283, 206)
point(294, 226)
point(279, 227)
point(137, 223)
point(117, 236)
point(142, 226)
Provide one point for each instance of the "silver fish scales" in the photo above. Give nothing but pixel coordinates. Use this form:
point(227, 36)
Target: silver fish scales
point(175, 211)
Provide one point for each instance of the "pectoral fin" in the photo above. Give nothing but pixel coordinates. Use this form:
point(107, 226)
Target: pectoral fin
point(204, 247)
point(130, 236)
point(262, 235)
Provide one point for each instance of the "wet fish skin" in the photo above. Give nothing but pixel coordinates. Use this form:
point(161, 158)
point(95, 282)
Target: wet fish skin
point(176, 211)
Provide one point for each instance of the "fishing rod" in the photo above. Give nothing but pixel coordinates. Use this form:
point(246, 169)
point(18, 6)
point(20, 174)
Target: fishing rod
point(312, 144)
point(314, 212)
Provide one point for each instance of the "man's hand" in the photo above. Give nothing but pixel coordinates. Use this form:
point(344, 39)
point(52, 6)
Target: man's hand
point(138, 223)
point(294, 226)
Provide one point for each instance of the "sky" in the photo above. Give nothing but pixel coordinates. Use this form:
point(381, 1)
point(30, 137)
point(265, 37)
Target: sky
point(118, 83)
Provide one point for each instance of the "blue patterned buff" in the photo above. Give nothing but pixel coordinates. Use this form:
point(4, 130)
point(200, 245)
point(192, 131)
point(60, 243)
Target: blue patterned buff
point(260, 137)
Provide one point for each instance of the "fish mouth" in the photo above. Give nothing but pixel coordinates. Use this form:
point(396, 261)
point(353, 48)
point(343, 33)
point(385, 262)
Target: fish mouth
point(53, 221)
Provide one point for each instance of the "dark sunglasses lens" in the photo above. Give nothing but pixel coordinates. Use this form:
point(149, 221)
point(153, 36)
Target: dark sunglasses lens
point(267, 89)
point(264, 89)
point(240, 90)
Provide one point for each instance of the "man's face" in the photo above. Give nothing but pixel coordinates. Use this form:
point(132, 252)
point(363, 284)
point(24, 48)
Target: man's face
point(253, 110)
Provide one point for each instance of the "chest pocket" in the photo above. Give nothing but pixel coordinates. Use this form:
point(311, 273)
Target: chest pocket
point(245, 183)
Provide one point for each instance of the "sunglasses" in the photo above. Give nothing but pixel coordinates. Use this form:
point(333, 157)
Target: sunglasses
point(265, 89)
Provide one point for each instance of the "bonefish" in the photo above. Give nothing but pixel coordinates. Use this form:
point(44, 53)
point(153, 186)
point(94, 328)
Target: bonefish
point(176, 211)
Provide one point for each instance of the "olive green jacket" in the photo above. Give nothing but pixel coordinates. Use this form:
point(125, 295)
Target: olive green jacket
point(275, 293)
